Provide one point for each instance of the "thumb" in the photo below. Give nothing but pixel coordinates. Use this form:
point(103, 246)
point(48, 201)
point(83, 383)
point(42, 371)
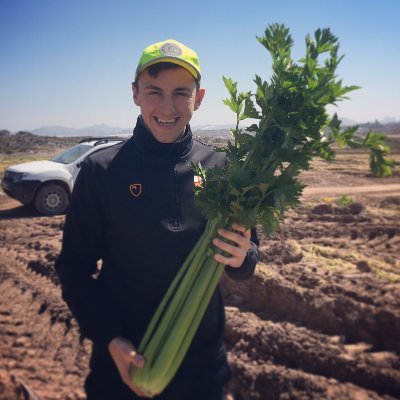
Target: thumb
point(123, 350)
point(136, 359)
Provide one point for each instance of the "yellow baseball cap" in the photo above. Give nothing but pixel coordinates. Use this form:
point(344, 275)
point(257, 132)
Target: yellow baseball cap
point(170, 51)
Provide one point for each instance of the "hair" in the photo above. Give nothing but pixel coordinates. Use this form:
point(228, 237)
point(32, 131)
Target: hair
point(155, 69)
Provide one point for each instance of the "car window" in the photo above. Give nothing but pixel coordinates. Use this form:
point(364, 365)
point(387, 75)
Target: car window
point(70, 155)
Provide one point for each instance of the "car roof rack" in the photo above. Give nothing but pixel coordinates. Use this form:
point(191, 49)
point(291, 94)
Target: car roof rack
point(103, 139)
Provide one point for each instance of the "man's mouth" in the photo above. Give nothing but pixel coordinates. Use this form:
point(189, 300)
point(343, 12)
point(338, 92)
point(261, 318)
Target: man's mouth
point(166, 122)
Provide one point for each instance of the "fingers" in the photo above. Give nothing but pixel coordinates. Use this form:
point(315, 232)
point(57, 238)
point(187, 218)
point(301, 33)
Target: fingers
point(238, 233)
point(235, 250)
point(242, 229)
point(125, 356)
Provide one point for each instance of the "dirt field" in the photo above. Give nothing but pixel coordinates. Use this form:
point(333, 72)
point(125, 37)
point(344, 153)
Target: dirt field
point(320, 319)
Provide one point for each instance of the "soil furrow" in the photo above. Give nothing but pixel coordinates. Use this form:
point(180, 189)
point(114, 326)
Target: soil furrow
point(36, 345)
point(298, 348)
point(271, 382)
point(269, 292)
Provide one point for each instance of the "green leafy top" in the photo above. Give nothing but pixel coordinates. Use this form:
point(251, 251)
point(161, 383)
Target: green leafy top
point(261, 180)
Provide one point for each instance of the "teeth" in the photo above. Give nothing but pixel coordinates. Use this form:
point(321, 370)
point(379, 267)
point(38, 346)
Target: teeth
point(166, 121)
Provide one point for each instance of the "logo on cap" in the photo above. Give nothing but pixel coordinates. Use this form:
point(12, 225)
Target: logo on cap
point(171, 49)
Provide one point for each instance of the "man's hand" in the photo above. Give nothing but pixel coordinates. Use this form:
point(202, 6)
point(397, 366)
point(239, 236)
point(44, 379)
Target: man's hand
point(237, 249)
point(124, 355)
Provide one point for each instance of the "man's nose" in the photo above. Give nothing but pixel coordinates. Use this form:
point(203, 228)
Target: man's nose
point(167, 105)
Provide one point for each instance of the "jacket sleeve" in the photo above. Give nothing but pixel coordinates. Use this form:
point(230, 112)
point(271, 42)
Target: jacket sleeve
point(249, 263)
point(82, 247)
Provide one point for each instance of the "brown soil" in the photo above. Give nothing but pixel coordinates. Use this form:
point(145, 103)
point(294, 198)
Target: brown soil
point(320, 318)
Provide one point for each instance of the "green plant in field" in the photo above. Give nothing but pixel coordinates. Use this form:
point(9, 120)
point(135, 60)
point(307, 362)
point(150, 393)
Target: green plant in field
point(344, 200)
point(379, 164)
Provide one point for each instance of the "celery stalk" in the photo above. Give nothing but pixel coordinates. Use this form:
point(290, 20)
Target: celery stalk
point(178, 316)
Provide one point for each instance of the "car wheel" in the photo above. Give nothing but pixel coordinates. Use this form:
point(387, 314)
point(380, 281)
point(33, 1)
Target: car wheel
point(51, 199)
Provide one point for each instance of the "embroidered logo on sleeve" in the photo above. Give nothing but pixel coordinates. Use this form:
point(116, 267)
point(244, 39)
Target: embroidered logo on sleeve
point(135, 189)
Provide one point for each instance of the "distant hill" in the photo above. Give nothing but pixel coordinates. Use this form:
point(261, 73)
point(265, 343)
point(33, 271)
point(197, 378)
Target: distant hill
point(95, 130)
point(347, 121)
point(390, 128)
point(213, 133)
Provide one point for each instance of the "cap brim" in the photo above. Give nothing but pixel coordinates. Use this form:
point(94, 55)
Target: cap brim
point(182, 63)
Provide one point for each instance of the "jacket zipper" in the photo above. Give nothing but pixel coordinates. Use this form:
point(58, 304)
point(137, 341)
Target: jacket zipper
point(175, 217)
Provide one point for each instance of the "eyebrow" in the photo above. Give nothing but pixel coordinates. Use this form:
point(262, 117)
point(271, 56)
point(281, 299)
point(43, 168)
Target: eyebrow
point(151, 87)
point(182, 89)
point(178, 89)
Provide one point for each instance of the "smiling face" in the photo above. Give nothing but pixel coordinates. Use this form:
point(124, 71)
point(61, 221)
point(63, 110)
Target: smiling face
point(167, 102)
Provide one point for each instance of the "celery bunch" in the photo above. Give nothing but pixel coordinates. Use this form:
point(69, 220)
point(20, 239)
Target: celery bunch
point(178, 316)
point(256, 187)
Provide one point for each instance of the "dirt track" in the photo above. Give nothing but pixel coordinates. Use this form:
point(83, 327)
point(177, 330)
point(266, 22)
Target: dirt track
point(341, 190)
point(320, 319)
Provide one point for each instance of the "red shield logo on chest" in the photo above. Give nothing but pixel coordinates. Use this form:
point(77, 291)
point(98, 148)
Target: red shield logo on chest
point(135, 189)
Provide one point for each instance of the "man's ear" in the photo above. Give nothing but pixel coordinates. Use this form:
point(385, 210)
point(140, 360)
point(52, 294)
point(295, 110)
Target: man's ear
point(199, 98)
point(135, 92)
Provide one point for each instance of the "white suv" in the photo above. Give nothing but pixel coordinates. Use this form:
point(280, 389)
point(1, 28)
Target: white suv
point(48, 184)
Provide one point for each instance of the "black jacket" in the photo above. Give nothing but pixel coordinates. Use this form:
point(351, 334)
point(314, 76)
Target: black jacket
point(133, 207)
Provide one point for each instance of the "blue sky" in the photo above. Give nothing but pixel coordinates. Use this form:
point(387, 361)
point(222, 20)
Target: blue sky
point(71, 62)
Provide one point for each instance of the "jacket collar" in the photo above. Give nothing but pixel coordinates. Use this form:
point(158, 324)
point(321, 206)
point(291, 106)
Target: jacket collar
point(150, 145)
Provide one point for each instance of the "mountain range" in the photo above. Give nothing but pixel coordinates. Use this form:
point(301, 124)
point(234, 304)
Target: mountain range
point(95, 130)
point(200, 130)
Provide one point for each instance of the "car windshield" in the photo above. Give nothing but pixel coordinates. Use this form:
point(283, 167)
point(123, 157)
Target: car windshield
point(70, 155)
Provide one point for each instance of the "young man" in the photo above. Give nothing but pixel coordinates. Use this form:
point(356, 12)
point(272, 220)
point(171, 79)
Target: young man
point(133, 208)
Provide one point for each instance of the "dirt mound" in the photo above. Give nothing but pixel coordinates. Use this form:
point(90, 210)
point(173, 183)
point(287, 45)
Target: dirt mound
point(391, 202)
point(328, 208)
point(28, 142)
point(12, 388)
